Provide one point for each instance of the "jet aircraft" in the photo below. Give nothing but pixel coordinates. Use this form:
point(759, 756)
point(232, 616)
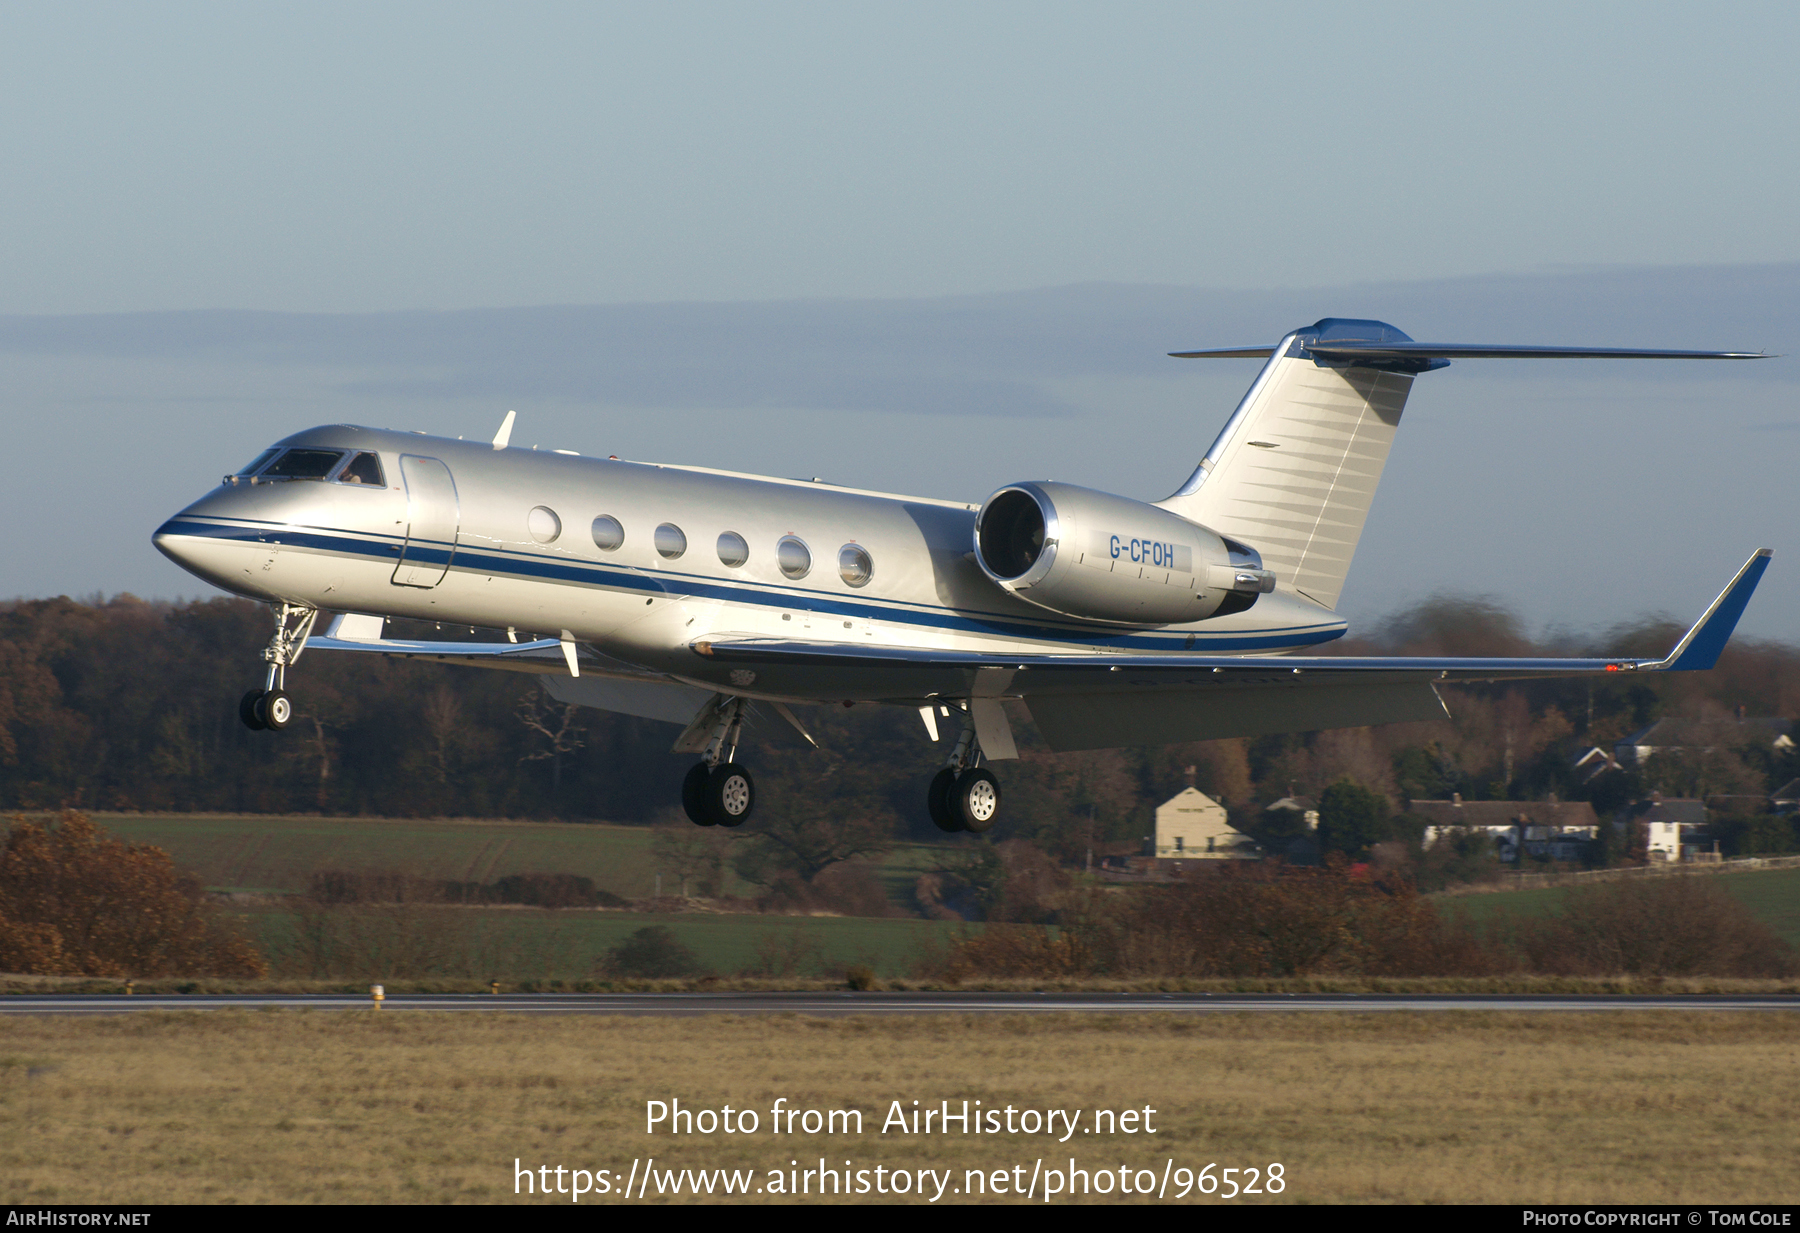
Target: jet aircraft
point(689, 595)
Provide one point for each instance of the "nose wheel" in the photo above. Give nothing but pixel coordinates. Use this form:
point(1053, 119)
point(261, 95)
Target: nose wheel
point(269, 708)
point(266, 709)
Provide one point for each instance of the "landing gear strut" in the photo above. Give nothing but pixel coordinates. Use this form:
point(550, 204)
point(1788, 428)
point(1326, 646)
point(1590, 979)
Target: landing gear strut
point(964, 796)
point(717, 791)
point(270, 707)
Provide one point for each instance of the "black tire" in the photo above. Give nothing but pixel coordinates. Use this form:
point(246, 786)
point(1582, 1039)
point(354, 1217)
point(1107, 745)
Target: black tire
point(937, 801)
point(275, 709)
point(247, 711)
point(693, 795)
point(730, 794)
point(976, 799)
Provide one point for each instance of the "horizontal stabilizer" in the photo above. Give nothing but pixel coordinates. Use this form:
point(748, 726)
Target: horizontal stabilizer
point(1353, 351)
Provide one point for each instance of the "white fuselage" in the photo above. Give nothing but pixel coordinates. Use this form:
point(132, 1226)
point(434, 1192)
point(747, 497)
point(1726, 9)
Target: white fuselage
point(471, 552)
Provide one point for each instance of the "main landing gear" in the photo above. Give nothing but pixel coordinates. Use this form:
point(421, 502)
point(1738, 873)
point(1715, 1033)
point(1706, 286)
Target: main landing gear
point(964, 796)
point(270, 707)
point(717, 791)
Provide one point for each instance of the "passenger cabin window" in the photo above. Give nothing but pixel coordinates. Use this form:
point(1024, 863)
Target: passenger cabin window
point(609, 533)
point(734, 550)
point(671, 542)
point(794, 557)
point(365, 468)
point(543, 524)
point(855, 566)
point(303, 465)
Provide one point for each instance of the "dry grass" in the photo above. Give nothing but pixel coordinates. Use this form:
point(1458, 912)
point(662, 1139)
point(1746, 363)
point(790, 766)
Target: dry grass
point(357, 1107)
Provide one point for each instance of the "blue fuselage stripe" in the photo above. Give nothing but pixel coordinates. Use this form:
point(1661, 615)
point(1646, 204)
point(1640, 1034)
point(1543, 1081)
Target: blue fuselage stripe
point(487, 561)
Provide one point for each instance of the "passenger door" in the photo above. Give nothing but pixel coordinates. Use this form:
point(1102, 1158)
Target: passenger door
point(432, 519)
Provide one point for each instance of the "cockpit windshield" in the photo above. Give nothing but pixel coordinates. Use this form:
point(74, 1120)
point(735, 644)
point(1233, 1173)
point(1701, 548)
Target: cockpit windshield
point(260, 460)
point(303, 465)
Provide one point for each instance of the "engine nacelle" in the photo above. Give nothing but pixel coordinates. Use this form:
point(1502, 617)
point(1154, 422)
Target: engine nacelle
point(1100, 557)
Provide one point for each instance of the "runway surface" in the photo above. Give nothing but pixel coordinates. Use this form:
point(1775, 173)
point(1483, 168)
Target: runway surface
point(838, 1005)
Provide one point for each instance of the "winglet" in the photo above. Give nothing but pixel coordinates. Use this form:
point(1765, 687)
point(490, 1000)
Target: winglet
point(505, 433)
point(1699, 648)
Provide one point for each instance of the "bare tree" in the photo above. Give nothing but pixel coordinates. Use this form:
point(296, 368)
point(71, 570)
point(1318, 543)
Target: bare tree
point(442, 714)
point(554, 723)
point(693, 854)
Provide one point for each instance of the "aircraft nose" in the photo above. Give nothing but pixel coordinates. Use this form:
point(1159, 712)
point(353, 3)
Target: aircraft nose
point(207, 539)
point(175, 541)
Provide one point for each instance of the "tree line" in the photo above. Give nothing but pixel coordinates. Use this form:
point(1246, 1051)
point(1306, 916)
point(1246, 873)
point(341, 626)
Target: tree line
point(124, 704)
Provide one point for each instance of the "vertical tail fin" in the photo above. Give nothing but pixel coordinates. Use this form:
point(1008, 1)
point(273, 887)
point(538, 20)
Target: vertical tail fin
point(1294, 470)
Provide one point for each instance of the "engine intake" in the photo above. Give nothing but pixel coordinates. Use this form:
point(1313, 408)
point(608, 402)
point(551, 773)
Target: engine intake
point(1099, 557)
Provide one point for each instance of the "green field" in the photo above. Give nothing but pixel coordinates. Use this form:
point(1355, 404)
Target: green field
point(1772, 894)
point(523, 945)
point(272, 855)
point(278, 854)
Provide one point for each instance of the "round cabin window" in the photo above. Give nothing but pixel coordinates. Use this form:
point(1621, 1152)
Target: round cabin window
point(794, 557)
point(670, 541)
point(609, 533)
point(734, 550)
point(543, 524)
point(855, 566)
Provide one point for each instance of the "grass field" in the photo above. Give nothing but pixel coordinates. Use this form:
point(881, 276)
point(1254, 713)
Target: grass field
point(518, 945)
point(282, 1106)
point(264, 853)
point(1772, 894)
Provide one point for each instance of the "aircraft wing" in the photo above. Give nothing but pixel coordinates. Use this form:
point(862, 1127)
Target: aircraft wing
point(1087, 701)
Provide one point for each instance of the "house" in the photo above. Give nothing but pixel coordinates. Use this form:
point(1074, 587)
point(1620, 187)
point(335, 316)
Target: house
point(1552, 829)
point(1594, 762)
point(1191, 826)
point(1703, 736)
point(1674, 828)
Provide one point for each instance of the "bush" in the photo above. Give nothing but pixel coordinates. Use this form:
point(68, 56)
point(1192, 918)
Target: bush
point(1031, 952)
point(1671, 925)
point(546, 890)
point(1268, 920)
point(652, 952)
point(1242, 920)
point(76, 902)
point(847, 889)
point(335, 887)
point(344, 886)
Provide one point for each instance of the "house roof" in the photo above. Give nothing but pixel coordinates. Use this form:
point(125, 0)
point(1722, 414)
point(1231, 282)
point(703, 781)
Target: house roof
point(1191, 798)
point(1710, 733)
point(1672, 810)
point(1300, 804)
point(1504, 813)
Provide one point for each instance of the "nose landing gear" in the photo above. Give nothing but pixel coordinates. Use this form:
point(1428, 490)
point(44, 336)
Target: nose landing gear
point(717, 791)
point(270, 707)
point(964, 796)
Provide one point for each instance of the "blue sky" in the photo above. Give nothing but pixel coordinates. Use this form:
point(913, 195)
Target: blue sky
point(930, 248)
